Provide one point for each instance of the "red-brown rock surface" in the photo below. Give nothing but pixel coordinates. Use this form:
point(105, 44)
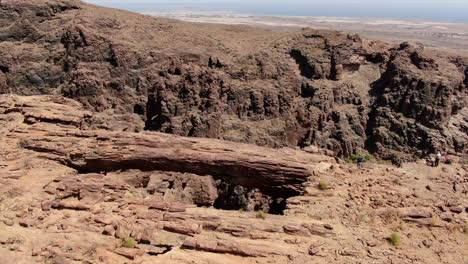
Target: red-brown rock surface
point(81, 181)
point(276, 172)
point(55, 207)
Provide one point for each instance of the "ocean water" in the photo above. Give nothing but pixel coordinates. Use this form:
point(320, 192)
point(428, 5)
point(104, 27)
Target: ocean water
point(450, 12)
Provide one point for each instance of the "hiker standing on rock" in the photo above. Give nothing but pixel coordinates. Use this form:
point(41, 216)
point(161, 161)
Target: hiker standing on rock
point(437, 159)
point(360, 162)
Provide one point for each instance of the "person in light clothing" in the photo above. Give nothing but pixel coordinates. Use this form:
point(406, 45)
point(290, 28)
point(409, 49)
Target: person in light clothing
point(437, 159)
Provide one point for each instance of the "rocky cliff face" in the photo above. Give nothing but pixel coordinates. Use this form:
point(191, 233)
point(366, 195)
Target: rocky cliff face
point(419, 100)
point(324, 88)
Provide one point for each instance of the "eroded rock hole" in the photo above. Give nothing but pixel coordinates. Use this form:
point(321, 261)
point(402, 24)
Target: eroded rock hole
point(204, 191)
point(277, 206)
point(155, 249)
point(306, 69)
point(4, 69)
point(161, 249)
point(139, 109)
point(145, 242)
point(237, 197)
point(307, 90)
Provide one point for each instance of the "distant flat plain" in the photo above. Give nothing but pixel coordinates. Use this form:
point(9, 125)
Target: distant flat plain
point(431, 34)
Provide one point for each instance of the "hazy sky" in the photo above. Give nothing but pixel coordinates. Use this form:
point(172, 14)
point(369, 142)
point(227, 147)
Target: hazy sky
point(454, 10)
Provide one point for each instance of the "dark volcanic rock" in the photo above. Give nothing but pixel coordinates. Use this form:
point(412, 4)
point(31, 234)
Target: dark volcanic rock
point(416, 98)
point(313, 87)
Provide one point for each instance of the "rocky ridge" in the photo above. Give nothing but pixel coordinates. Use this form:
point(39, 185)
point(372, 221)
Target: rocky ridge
point(314, 87)
point(248, 169)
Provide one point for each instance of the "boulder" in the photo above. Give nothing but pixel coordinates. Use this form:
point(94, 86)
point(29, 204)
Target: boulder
point(415, 212)
point(130, 253)
point(224, 246)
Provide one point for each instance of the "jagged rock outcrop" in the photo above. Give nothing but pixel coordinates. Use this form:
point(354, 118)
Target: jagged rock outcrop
point(416, 98)
point(278, 172)
point(313, 87)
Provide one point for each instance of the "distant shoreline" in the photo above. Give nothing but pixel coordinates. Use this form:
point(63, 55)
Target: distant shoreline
point(440, 13)
point(199, 11)
point(429, 33)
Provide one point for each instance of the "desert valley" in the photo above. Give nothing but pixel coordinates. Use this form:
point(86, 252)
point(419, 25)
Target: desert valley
point(129, 138)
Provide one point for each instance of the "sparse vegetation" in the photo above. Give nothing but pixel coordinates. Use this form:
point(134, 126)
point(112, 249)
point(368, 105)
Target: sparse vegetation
point(129, 242)
point(390, 216)
point(19, 241)
point(401, 140)
point(21, 143)
point(395, 239)
point(353, 158)
point(368, 219)
point(28, 163)
point(261, 214)
point(68, 248)
point(384, 162)
point(323, 185)
point(90, 251)
point(368, 157)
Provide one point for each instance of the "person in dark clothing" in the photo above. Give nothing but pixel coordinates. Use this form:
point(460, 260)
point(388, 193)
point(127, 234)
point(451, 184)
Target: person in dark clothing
point(437, 159)
point(360, 161)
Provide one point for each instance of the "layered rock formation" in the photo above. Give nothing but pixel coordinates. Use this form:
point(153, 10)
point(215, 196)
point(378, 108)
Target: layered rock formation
point(277, 172)
point(63, 131)
point(323, 88)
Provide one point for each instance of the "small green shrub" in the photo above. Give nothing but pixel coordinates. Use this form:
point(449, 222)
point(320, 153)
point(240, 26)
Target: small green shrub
point(323, 185)
point(395, 239)
point(353, 158)
point(401, 139)
point(261, 214)
point(129, 242)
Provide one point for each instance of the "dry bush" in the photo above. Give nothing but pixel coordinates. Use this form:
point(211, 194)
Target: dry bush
point(395, 239)
point(323, 185)
point(261, 214)
point(129, 242)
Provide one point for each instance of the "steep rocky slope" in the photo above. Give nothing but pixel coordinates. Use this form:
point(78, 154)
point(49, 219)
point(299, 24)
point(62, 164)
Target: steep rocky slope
point(71, 194)
point(336, 91)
